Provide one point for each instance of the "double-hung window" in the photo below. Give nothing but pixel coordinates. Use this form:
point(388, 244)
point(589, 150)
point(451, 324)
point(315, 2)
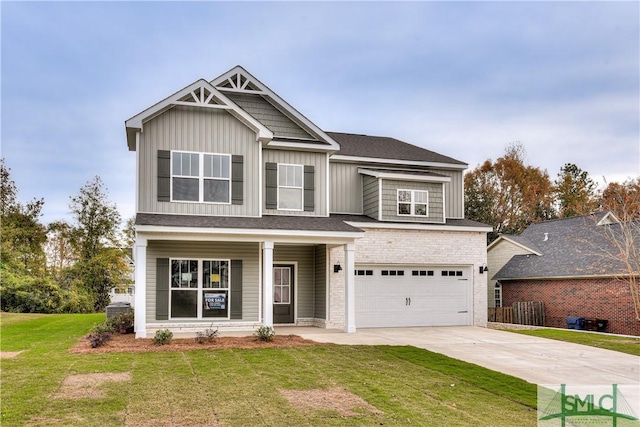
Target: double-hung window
point(290, 187)
point(413, 202)
point(201, 177)
point(199, 289)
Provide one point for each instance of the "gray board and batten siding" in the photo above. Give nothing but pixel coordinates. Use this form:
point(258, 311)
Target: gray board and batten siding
point(319, 163)
point(268, 115)
point(247, 252)
point(203, 131)
point(348, 196)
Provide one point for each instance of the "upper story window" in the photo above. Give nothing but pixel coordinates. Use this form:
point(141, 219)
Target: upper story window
point(200, 177)
point(413, 202)
point(290, 187)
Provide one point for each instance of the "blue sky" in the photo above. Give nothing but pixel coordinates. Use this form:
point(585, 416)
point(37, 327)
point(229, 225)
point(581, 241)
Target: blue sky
point(464, 79)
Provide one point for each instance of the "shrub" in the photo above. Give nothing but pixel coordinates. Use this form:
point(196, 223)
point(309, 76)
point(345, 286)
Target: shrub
point(123, 322)
point(100, 333)
point(207, 336)
point(265, 333)
point(162, 337)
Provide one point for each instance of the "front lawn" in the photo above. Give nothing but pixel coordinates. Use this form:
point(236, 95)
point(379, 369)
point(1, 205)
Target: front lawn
point(609, 342)
point(306, 386)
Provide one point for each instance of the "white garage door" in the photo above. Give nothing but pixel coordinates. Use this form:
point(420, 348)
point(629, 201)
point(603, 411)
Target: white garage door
point(392, 296)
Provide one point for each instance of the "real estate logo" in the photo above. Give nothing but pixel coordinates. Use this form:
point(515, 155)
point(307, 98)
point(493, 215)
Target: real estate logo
point(565, 405)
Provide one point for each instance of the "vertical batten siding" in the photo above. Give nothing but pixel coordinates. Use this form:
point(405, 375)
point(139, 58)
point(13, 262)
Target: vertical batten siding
point(320, 294)
point(247, 252)
point(370, 196)
point(454, 193)
point(390, 200)
point(319, 162)
point(198, 130)
point(304, 288)
point(346, 189)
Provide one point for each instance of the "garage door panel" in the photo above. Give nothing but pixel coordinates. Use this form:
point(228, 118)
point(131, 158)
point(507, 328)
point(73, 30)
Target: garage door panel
point(420, 296)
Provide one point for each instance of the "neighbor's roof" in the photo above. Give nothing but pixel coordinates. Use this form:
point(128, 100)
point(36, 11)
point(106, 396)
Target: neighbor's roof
point(570, 247)
point(381, 147)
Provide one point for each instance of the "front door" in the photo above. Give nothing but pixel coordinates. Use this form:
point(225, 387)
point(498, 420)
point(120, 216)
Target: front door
point(283, 294)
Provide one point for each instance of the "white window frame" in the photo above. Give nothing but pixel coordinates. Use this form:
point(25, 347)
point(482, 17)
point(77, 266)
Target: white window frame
point(201, 178)
point(200, 289)
point(497, 295)
point(412, 203)
point(301, 188)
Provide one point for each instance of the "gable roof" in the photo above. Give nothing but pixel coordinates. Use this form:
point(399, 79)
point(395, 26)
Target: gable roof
point(381, 147)
point(517, 240)
point(569, 247)
point(198, 94)
point(239, 81)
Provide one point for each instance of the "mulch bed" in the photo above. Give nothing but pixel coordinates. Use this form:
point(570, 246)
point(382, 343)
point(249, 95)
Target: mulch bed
point(129, 344)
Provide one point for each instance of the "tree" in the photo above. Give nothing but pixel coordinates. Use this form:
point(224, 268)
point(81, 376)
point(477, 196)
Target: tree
point(623, 199)
point(101, 262)
point(59, 248)
point(129, 232)
point(8, 190)
point(575, 192)
point(508, 194)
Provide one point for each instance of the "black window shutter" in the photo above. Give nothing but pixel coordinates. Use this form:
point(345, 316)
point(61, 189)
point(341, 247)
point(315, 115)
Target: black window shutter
point(164, 176)
point(271, 180)
point(237, 180)
point(309, 186)
point(162, 288)
point(236, 289)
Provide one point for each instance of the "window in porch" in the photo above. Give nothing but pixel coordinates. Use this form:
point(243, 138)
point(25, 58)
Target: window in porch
point(199, 289)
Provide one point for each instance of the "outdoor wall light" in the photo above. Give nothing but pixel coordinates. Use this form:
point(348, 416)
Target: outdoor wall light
point(483, 269)
point(337, 267)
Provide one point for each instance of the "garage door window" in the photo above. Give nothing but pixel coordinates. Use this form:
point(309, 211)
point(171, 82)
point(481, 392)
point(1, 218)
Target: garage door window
point(413, 203)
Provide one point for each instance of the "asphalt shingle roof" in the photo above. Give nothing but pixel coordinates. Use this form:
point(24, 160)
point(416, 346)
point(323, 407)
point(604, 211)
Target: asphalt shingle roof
point(386, 148)
point(570, 247)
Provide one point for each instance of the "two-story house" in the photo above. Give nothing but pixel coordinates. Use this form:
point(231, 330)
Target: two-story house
point(248, 214)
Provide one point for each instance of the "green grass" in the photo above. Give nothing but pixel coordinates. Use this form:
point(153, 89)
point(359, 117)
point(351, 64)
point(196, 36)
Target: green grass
point(241, 387)
point(608, 342)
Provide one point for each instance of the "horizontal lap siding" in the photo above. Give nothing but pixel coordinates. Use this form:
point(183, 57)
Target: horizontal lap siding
point(390, 200)
point(204, 131)
point(497, 258)
point(304, 288)
point(346, 188)
point(247, 252)
point(319, 162)
point(370, 191)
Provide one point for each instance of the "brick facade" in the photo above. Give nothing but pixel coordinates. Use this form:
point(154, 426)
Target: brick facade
point(392, 246)
point(608, 299)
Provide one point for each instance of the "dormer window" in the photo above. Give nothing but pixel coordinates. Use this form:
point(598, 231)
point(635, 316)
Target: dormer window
point(200, 177)
point(413, 203)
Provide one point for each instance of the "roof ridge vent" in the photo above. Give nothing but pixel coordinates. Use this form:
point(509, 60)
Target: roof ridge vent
point(546, 237)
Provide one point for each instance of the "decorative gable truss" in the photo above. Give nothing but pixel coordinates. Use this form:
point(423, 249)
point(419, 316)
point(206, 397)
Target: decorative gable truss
point(199, 94)
point(237, 81)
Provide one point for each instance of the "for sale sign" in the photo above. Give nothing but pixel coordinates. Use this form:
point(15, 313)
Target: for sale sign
point(215, 301)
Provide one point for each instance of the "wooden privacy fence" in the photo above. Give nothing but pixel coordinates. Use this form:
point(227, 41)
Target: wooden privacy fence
point(521, 313)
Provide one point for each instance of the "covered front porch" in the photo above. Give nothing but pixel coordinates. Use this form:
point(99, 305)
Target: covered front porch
point(189, 279)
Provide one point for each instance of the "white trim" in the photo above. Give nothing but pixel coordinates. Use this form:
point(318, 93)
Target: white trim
point(327, 186)
point(351, 159)
point(414, 226)
point(262, 169)
point(608, 219)
point(267, 290)
point(444, 202)
point(140, 274)
point(404, 177)
point(137, 201)
point(301, 146)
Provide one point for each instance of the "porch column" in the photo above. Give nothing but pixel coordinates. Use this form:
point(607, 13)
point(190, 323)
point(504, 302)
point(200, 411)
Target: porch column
point(140, 264)
point(349, 288)
point(267, 281)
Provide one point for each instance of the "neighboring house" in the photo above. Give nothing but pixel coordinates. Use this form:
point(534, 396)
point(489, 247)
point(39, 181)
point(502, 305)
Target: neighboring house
point(249, 214)
point(563, 263)
point(126, 291)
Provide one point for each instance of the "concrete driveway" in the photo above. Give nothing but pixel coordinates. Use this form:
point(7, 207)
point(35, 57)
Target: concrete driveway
point(536, 360)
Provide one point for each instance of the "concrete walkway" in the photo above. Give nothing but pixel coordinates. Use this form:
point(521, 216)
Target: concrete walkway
point(536, 360)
